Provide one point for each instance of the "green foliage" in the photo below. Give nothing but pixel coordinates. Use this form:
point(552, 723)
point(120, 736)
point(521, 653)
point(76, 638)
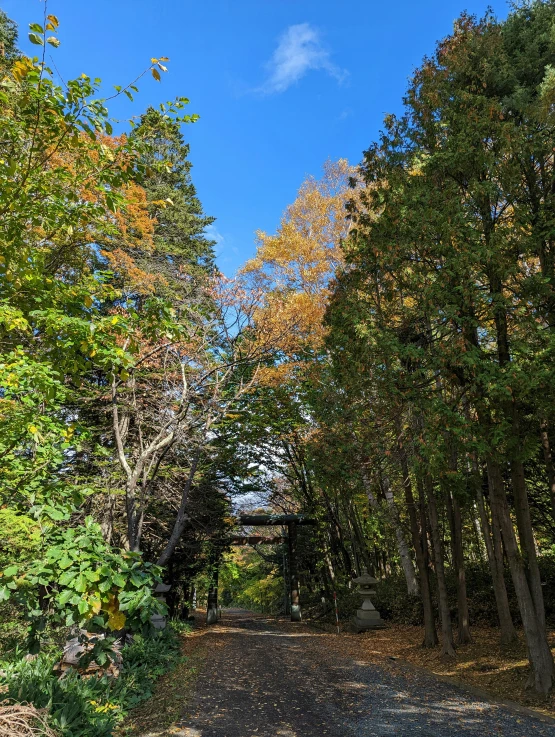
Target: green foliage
point(250, 581)
point(179, 231)
point(69, 193)
point(92, 707)
point(19, 537)
point(80, 580)
point(8, 40)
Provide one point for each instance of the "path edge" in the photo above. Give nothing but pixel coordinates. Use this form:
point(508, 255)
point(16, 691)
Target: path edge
point(480, 693)
point(486, 696)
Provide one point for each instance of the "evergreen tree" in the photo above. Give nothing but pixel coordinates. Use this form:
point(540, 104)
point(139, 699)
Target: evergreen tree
point(182, 251)
point(8, 40)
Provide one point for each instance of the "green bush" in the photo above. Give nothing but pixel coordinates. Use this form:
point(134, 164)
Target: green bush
point(394, 604)
point(92, 707)
point(80, 579)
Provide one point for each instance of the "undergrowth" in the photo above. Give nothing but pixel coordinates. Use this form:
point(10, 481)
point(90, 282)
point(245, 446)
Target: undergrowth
point(92, 707)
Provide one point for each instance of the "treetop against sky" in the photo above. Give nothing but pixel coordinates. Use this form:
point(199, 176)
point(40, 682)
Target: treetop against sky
point(280, 85)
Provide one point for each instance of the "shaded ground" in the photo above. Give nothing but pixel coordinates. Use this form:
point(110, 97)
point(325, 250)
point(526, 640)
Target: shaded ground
point(172, 692)
point(263, 679)
point(500, 670)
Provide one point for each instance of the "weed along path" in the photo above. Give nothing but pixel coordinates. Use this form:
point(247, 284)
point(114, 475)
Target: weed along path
point(266, 679)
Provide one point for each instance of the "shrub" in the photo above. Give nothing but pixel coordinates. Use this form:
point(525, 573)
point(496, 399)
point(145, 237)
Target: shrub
point(91, 707)
point(82, 580)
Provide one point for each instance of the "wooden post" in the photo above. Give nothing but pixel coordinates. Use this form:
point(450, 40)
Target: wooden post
point(212, 605)
point(294, 579)
point(285, 577)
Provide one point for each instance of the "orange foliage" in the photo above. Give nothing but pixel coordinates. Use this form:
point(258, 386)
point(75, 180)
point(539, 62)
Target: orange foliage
point(292, 269)
point(135, 225)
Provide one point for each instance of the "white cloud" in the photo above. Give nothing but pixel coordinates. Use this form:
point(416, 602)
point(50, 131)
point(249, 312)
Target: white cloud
point(214, 235)
point(299, 50)
point(345, 114)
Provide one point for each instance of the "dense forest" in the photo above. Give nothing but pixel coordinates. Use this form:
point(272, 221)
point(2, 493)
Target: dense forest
point(383, 364)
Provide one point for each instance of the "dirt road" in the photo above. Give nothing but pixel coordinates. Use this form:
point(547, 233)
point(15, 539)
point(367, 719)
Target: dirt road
point(264, 679)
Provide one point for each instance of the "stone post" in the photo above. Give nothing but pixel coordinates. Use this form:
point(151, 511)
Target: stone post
point(158, 620)
point(212, 605)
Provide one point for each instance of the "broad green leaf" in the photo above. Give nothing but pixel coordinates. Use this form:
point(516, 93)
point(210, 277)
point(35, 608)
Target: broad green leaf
point(67, 577)
point(118, 580)
point(81, 584)
point(64, 597)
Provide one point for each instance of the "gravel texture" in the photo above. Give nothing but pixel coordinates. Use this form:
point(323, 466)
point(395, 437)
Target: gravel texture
point(263, 679)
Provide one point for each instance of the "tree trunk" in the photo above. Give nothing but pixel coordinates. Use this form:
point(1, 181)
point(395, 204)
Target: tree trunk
point(482, 553)
point(455, 522)
point(181, 519)
point(448, 645)
point(430, 634)
point(359, 534)
point(530, 596)
point(134, 516)
point(526, 536)
point(496, 567)
point(549, 465)
point(539, 652)
point(402, 547)
point(394, 517)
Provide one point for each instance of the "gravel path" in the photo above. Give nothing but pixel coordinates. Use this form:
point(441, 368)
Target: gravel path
point(263, 679)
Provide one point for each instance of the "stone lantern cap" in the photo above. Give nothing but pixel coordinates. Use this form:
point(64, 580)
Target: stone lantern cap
point(162, 588)
point(365, 580)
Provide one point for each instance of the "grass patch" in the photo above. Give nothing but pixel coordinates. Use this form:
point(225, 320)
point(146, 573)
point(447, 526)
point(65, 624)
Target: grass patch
point(172, 693)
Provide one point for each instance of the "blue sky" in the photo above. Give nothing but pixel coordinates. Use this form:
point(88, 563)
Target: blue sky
point(280, 85)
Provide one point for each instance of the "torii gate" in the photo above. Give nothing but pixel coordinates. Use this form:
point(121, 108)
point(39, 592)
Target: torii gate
point(258, 520)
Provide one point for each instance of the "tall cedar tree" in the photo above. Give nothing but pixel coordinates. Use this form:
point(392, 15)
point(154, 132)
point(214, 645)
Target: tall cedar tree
point(182, 251)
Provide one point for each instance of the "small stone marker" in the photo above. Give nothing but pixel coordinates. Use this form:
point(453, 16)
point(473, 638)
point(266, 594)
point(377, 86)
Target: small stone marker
point(367, 617)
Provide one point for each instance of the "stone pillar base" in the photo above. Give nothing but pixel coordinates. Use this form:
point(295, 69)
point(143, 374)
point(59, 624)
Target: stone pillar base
point(211, 616)
point(367, 620)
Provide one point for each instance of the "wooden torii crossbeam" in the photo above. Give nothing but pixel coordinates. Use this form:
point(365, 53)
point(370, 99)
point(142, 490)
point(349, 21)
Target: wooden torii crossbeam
point(290, 521)
point(260, 520)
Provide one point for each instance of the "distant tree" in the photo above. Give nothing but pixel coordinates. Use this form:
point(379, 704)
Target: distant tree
point(8, 40)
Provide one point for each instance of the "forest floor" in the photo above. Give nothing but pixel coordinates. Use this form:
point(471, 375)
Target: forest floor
point(499, 670)
point(173, 691)
point(260, 678)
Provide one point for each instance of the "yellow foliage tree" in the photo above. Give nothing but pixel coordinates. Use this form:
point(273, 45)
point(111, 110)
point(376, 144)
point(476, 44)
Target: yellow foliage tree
point(293, 268)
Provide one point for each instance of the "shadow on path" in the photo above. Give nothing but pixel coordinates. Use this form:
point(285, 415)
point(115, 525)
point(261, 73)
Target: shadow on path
point(263, 679)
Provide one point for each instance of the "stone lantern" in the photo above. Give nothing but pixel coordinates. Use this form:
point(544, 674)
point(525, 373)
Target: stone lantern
point(158, 620)
point(367, 617)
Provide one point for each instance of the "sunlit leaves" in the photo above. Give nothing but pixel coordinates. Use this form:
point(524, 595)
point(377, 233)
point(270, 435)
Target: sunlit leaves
point(84, 581)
